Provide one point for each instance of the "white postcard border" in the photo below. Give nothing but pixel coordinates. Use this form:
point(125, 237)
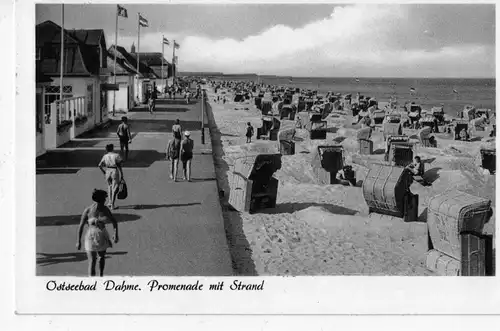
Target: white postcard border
point(281, 295)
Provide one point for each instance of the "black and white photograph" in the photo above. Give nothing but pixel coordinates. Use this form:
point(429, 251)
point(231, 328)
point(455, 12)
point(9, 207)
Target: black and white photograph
point(265, 139)
point(262, 158)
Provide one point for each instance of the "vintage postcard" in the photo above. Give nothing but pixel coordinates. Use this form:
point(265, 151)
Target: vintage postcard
point(238, 158)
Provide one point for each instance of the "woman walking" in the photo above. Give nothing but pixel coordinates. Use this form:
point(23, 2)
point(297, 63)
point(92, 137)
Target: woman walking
point(177, 129)
point(111, 167)
point(187, 155)
point(97, 239)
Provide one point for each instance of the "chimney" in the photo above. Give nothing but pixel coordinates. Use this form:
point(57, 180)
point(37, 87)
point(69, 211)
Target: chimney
point(132, 49)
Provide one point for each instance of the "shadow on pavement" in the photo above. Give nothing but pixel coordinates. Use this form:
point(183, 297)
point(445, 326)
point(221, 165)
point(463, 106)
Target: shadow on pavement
point(53, 171)
point(139, 207)
point(160, 109)
point(75, 219)
point(293, 207)
point(203, 179)
point(239, 247)
point(177, 101)
point(47, 259)
point(90, 158)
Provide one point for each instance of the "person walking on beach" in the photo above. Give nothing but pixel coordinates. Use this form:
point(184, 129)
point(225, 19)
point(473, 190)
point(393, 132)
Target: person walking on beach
point(124, 135)
point(187, 146)
point(111, 167)
point(173, 154)
point(249, 133)
point(97, 239)
point(188, 95)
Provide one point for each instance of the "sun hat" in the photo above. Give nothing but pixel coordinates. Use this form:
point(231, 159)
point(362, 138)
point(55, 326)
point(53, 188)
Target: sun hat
point(187, 133)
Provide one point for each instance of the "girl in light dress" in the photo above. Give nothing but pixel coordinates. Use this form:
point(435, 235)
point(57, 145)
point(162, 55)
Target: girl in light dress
point(97, 239)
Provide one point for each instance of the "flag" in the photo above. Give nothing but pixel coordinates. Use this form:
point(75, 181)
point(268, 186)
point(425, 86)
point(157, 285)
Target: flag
point(165, 41)
point(455, 91)
point(175, 59)
point(176, 45)
point(143, 22)
point(122, 11)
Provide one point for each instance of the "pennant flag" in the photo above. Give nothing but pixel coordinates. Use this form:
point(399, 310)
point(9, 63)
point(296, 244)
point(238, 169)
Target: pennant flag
point(176, 45)
point(122, 11)
point(143, 22)
point(165, 41)
point(455, 91)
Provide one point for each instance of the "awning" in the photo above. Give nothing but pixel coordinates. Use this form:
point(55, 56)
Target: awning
point(109, 87)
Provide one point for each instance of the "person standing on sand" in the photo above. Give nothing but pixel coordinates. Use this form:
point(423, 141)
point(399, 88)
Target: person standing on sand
point(111, 161)
point(187, 146)
point(97, 239)
point(124, 135)
point(249, 132)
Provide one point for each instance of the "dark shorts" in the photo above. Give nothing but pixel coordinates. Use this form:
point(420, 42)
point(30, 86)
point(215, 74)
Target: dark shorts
point(124, 142)
point(186, 157)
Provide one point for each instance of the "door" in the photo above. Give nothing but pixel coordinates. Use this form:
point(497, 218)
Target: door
point(122, 98)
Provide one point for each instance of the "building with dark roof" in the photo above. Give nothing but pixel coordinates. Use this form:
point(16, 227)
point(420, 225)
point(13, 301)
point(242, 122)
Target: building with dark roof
point(85, 60)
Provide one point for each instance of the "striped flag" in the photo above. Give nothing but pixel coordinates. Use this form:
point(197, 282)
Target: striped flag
point(122, 11)
point(143, 22)
point(165, 41)
point(176, 45)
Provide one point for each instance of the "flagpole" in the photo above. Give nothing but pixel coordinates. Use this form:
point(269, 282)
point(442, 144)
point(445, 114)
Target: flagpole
point(138, 48)
point(62, 54)
point(174, 64)
point(162, 56)
point(114, 61)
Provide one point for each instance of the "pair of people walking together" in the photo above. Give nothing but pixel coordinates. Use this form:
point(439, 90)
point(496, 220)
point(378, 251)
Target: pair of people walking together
point(182, 150)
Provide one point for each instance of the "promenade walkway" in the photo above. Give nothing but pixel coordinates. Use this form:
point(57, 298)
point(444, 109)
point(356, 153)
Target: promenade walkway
point(166, 228)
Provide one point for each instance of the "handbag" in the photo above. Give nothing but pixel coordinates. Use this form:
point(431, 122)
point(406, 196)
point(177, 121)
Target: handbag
point(122, 190)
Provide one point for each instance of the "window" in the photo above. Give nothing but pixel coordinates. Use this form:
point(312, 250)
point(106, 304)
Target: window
point(51, 95)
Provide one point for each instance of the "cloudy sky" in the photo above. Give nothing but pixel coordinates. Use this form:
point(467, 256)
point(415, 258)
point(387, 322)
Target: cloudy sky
point(306, 39)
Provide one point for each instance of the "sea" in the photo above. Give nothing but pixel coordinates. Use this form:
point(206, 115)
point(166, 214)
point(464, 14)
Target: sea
point(451, 93)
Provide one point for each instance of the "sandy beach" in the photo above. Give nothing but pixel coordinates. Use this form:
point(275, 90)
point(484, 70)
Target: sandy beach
point(325, 229)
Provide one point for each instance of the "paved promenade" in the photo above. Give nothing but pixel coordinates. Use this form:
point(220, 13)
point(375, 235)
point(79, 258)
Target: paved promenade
point(166, 228)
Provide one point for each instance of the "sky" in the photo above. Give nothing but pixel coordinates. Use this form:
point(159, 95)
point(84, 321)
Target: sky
point(312, 40)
